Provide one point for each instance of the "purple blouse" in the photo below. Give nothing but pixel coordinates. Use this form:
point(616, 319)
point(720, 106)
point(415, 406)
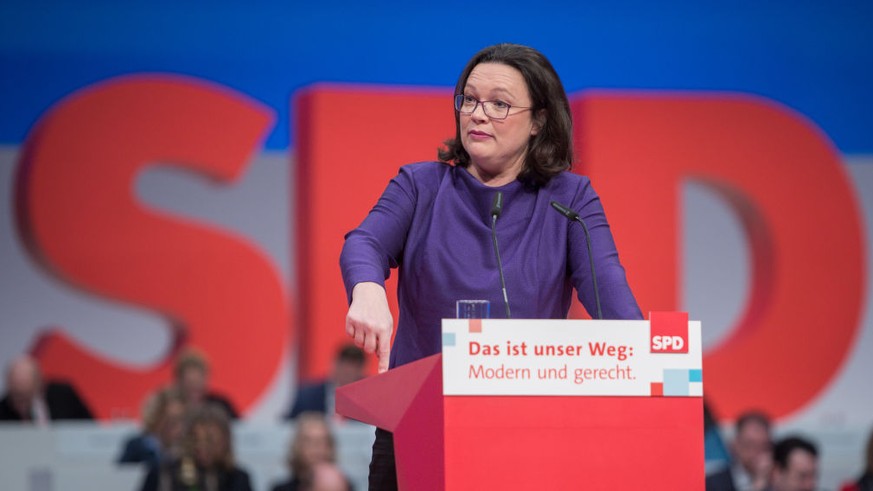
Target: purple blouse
point(433, 222)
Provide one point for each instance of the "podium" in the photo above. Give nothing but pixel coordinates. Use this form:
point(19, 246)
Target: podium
point(565, 412)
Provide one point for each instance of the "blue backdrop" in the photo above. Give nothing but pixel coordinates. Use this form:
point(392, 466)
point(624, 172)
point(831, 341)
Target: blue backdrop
point(813, 56)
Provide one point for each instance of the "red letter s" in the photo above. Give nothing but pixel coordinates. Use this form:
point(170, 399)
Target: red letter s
point(77, 212)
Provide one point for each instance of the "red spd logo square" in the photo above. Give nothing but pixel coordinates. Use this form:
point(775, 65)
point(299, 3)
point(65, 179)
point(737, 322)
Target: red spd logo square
point(669, 332)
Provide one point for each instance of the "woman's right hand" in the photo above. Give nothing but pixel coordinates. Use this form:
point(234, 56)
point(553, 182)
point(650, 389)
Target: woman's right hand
point(369, 321)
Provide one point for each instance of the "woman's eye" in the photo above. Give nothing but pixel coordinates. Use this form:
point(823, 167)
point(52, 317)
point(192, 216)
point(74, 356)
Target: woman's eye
point(468, 99)
point(500, 105)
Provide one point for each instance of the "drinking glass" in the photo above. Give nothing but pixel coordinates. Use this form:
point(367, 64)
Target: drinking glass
point(473, 309)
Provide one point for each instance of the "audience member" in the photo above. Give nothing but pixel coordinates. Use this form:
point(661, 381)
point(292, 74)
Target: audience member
point(319, 397)
point(206, 462)
point(865, 481)
point(312, 445)
point(28, 398)
point(795, 465)
point(715, 452)
point(162, 429)
point(192, 382)
point(751, 460)
point(328, 477)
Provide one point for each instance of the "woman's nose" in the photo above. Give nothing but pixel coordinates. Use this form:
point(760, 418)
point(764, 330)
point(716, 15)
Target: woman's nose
point(479, 112)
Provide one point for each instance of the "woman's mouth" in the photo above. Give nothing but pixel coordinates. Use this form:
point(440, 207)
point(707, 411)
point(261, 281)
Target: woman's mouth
point(478, 135)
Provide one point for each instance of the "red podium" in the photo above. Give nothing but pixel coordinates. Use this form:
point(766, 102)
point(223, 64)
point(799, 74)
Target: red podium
point(451, 442)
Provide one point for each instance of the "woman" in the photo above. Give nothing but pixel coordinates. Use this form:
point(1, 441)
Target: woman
point(313, 444)
point(513, 135)
point(162, 429)
point(206, 462)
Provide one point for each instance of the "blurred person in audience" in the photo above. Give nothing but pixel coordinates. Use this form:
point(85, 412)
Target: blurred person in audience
point(795, 465)
point(29, 398)
point(715, 451)
point(192, 381)
point(751, 460)
point(313, 444)
point(206, 461)
point(865, 481)
point(162, 420)
point(348, 367)
point(328, 477)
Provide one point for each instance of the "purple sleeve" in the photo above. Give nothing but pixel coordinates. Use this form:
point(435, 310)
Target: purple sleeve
point(616, 299)
point(376, 245)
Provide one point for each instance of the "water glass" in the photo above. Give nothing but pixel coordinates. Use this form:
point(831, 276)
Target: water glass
point(473, 309)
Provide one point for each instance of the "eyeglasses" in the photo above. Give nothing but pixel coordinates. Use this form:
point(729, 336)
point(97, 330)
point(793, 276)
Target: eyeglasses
point(466, 104)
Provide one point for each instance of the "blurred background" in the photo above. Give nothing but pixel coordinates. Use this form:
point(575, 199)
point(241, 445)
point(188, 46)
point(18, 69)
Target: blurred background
point(165, 180)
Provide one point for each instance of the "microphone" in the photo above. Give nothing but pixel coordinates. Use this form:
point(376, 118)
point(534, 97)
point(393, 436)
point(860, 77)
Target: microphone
point(567, 212)
point(497, 205)
point(572, 215)
point(496, 210)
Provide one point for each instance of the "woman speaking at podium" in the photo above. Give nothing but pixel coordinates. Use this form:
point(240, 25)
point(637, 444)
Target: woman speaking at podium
point(440, 224)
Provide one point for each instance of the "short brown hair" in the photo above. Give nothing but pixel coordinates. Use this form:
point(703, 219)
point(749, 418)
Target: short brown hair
point(752, 416)
point(350, 353)
point(190, 358)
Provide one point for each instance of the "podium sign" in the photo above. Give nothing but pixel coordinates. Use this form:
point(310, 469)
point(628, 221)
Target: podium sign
point(594, 405)
point(569, 358)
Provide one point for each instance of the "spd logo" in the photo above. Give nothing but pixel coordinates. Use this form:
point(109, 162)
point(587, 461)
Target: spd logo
point(669, 332)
